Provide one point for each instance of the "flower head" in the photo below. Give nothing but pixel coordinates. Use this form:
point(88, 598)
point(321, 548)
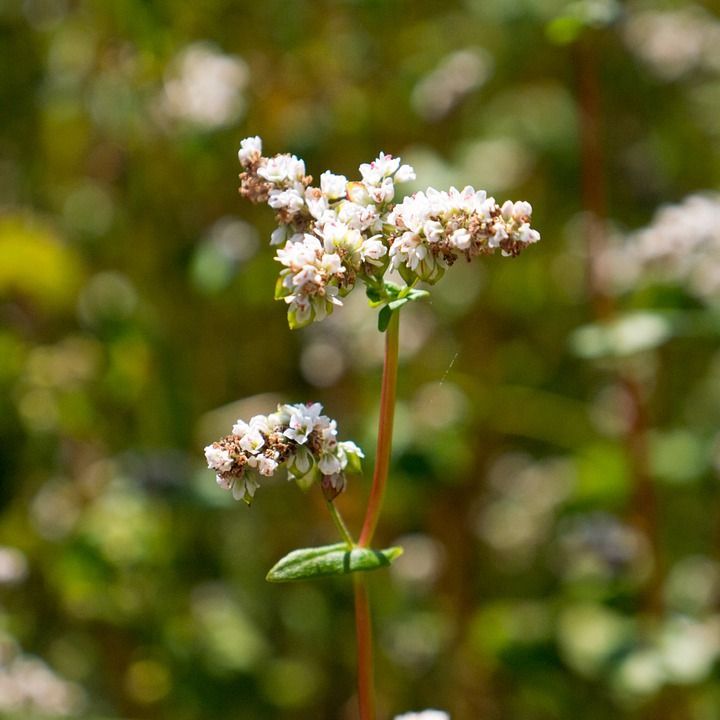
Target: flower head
point(344, 231)
point(298, 437)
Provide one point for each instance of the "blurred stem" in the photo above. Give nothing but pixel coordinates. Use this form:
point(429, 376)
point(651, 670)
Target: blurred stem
point(363, 629)
point(592, 170)
point(643, 506)
point(385, 429)
point(340, 524)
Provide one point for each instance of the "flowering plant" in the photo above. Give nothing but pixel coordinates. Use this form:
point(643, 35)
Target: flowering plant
point(331, 238)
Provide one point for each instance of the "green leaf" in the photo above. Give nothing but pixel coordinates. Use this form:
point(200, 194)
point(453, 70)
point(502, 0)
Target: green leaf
point(384, 318)
point(392, 289)
point(336, 559)
point(373, 293)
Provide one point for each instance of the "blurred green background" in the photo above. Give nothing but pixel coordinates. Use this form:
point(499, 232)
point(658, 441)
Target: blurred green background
point(554, 478)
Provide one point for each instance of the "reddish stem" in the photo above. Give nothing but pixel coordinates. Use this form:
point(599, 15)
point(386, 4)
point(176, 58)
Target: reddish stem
point(363, 629)
point(385, 428)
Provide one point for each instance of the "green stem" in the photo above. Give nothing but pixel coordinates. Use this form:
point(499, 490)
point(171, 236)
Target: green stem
point(340, 524)
point(385, 428)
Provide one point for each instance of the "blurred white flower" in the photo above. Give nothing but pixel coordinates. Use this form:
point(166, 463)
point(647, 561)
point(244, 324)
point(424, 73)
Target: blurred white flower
point(457, 75)
point(681, 245)
point(673, 43)
point(424, 715)
point(204, 88)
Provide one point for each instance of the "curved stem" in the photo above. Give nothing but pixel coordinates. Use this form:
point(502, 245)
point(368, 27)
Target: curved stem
point(363, 628)
point(385, 428)
point(340, 524)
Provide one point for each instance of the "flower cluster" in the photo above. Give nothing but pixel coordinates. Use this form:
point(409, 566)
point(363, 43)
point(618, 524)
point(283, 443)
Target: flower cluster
point(680, 246)
point(342, 231)
point(424, 715)
point(434, 228)
point(298, 437)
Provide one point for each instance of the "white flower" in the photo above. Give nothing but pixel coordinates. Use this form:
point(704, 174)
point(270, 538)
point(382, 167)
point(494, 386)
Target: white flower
point(339, 236)
point(404, 174)
point(433, 230)
point(224, 482)
point(290, 199)
point(266, 466)
point(282, 168)
point(279, 235)
point(424, 715)
point(357, 192)
point(332, 264)
point(250, 150)
point(383, 192)
point(333, 186)
point(498, 236)
point(252, 441)
point(218, 459)
point(318, 205)
point(383, 166)
point(303, 419)
point(299, 306)
point(360, 217)
point(372, 250)
point(461, 239)
point(296, 255)
point(329, 464)
point(351, 448)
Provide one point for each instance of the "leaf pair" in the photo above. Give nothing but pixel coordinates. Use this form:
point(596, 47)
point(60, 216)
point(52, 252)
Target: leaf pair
point(397, 298)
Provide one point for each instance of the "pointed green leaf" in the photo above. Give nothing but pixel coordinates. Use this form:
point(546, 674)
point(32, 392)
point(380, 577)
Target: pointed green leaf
point(328, 560)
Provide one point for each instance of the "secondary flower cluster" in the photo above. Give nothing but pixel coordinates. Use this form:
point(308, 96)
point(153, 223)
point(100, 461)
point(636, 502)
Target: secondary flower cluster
point(434, 228)
point(298, 437)
point(680, 246)
point(342, 231)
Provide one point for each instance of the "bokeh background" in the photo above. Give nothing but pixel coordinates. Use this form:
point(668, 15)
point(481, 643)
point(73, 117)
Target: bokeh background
point(555, 472)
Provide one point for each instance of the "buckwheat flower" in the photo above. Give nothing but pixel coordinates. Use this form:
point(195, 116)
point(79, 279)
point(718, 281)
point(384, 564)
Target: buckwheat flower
point(279, 235)
point(290, 199)
point(404, 174)
point(372, 250)
point(303, 419)
point(329, 463)
point(217, 458)
point(331, 263)
point(434, 228)
point(357, 192)
point(461, 239)
point(348, 447)
point(250, 150)
point(333, 186)
point(266, 465)
point(382, 193)
point(382, 167)
point(339, 237)
point(252, 441)
point(344, 232)
point(282, 168)
point(424, 715)
point(299, 437)
point(318, 205)
point(360, 217)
